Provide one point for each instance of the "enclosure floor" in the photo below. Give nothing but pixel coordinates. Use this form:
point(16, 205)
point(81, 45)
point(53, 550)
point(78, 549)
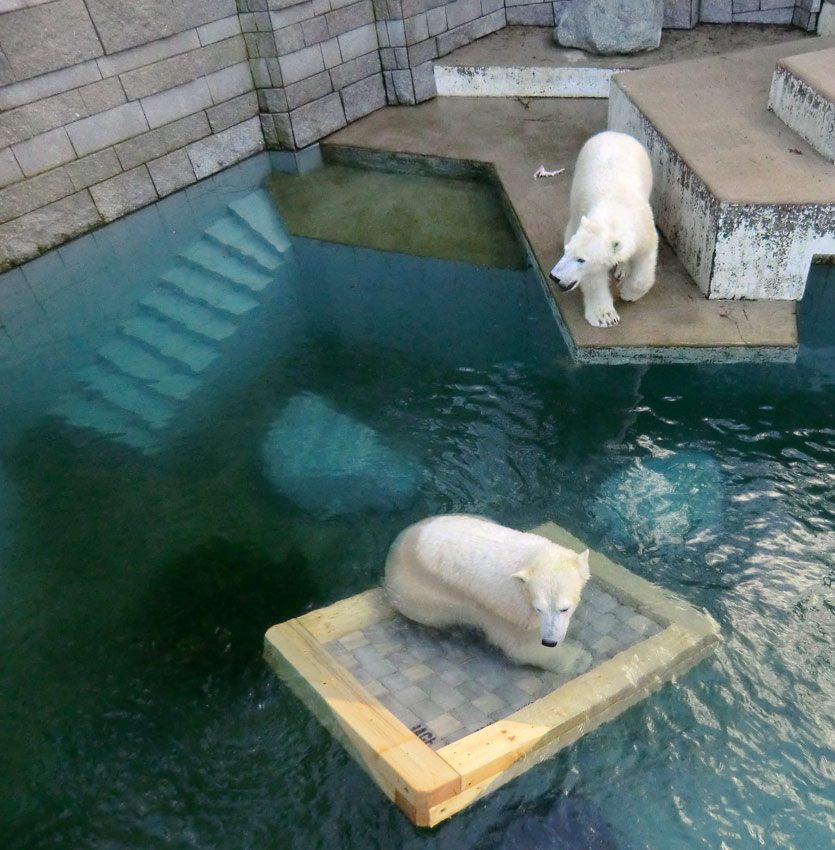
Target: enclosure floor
point(674, 321)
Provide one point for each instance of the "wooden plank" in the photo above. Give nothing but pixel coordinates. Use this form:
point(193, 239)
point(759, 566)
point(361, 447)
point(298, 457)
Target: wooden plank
point(572, 707)
point(544, 740)
point(406, 770)
point(629, 589)
point(348, 615)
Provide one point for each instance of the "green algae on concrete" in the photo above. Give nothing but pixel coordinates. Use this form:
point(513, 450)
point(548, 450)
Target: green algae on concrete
point(422, 215)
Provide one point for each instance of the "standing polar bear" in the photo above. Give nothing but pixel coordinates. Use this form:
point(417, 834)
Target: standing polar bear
point(610, 226)
point(518, 588)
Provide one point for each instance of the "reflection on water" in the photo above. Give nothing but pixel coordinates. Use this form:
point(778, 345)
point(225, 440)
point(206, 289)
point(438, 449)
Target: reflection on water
point(135, 585)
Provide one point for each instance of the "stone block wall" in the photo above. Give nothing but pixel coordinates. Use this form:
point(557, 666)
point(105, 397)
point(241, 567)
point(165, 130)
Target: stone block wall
point(108, 105)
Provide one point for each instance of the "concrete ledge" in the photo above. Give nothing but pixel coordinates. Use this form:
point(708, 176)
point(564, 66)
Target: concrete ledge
point(803, 97)
point(468, 81)
point(745, 203)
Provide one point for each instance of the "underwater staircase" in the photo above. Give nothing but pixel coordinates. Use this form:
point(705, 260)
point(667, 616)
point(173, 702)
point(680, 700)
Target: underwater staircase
point(159, 358)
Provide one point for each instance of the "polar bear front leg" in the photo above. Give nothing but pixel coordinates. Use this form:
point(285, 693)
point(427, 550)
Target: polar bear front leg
point(597, 301)
point(640, 279)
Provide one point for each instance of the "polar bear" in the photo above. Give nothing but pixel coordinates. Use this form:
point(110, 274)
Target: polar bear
point(518, 588)
point(610, 226)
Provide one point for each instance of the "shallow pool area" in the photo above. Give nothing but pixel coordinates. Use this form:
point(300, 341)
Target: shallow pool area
point(342, 394)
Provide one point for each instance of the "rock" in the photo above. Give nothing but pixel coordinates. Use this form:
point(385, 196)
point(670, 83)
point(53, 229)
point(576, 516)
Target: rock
point(330, 464)
point(609, 27)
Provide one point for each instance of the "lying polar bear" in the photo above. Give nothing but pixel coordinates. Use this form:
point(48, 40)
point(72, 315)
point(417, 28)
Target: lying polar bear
point(518, 588)
point(610, 226)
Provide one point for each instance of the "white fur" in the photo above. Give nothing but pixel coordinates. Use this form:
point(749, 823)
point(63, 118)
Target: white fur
point(610, 226)
point(518, 588)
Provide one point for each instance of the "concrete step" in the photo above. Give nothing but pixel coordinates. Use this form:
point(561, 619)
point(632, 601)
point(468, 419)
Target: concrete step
point(258, 211)
point(745, 203)
point(162, 338)
point(104, 418)
point(802, 95)
point(126, 394)
point(197, 283)
point(521, 81)
point(198, 319)
point(135, 361)
point(233, 233)
point(212, 258)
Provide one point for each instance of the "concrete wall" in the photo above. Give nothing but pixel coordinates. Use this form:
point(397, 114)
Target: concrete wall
point(108, 105)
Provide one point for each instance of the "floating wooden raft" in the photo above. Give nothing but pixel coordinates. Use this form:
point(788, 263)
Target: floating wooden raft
point(439, 719)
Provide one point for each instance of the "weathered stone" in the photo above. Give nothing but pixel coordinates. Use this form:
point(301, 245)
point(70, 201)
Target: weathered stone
point(331, 54)
point(230, 82)
point(470, 31)
point(272, 100)
point(171, 172)
point(219, 30)
point(46, 151)
point(461, 11)
point(93, 168)
point(397, 33)
point(147, 54)
point(168, 106)
point(356, 69)
point(226, 148)
point(162, 141)
point(423, 52)
point(363, 97)
point(607, 27)
point(531, 15)
point(303, 63)
point(357, 42)
point(350, 17)
point(315, 30)
point(232, 112)
point(107, 128)
point(46, 85)
point(40, 116)
point(309, 89)
point(416, 29)
point(715, 11)
point(291, 15)
point(123, 24)
point(316, 120)
point(44, 38)
point(289, 39)
point(124, 193)
point(102, 95)
point(423, 78)
point(28, 195)
point(46, 227)
point(681, 14)
point(436, 19)
point(9, 169)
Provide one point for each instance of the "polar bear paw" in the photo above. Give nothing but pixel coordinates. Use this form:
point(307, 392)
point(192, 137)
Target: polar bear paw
point(602, 317)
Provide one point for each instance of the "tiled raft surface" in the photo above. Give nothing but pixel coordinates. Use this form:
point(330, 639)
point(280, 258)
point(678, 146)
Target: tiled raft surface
point(445, 685)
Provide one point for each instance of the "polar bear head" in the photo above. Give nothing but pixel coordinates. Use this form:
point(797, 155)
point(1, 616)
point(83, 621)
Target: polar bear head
point(593, 249)
point(553, 582)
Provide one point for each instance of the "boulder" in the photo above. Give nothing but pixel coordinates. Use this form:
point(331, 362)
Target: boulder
point(608, 27)
point(328, 463)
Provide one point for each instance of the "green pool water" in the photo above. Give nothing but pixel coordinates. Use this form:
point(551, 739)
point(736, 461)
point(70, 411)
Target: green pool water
point(147, 540)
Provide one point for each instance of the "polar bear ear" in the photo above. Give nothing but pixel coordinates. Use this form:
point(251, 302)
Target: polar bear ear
point(583, 565)
point(523, 575)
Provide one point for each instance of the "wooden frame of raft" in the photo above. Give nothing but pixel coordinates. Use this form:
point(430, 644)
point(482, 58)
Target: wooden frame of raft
point(431, 785)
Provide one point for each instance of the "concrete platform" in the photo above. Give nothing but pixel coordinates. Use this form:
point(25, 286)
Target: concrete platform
point(512, 137)
point(746, 202)
point(802, 96)
point(525, 61)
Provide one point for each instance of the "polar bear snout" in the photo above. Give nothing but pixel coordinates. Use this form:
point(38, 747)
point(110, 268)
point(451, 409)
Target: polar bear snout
point(566, 273)
point(548, 642)
point(552, 627)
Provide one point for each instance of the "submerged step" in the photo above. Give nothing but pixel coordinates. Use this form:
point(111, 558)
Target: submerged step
point(170, 343)
point(105, 419)
point(218, 261)
point(125, 393)
point(258, 212)
point(206, 288)
point(134, 360)
point(232, 233)
point(198, 319)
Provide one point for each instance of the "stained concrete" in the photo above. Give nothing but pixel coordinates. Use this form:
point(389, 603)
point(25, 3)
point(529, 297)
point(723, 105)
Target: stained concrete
point(514, 136)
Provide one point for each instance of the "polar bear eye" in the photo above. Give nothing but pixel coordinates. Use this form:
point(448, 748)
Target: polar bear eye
point(565, 610)
point(581, 260)
point(537, 608)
